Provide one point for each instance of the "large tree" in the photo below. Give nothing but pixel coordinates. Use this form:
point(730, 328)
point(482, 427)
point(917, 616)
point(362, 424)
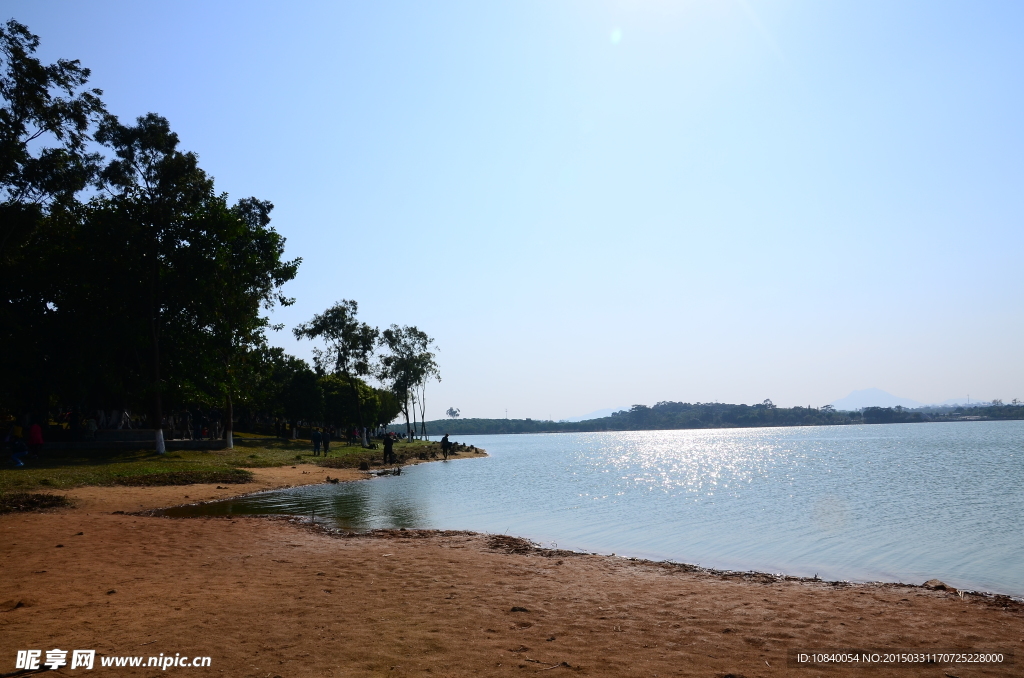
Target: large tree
point(159, 191)
point(46, 114)
point(349, 347)
point(245, 271)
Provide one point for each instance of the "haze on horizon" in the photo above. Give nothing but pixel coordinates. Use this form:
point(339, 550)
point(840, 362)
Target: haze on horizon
point(597, 203)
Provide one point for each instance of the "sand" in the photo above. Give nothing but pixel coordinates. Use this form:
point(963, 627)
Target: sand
point(273, 597)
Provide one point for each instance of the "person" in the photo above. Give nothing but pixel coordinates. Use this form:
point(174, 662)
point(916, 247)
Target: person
point(35, 438)
point(13, 441)
point(389, 448)
point(327, 441)
point(445, 446)
point(18, 451)
point(315, 435)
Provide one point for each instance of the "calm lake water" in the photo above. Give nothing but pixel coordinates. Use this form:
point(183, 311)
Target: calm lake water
point(900, 502)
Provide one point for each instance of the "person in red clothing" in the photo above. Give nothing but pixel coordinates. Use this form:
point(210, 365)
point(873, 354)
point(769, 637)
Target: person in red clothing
point(35, 438)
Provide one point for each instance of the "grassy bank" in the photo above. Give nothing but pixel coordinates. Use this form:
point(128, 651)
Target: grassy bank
point(65, 469)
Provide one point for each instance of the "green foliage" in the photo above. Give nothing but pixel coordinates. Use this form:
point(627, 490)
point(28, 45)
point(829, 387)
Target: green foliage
point(408, 365)
point(671, 415)
point(160, 283)
point(661, 416)
point(152, 292)
point(349, 346)
point(45, 118)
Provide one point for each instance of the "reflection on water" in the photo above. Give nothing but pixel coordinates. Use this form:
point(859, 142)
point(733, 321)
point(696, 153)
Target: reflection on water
point(895, 502)
point(357, 506)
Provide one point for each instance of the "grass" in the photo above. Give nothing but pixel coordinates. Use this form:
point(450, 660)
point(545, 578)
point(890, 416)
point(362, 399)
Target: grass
point(65, 469)
point(352, 457)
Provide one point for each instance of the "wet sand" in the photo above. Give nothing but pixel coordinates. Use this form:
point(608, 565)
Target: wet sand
point(275, 597)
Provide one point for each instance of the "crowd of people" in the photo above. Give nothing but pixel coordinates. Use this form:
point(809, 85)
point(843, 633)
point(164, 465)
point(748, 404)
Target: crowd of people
point(20, 441)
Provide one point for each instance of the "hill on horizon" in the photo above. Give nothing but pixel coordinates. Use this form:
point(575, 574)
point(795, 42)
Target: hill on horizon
point(872, 397)
point(596, 414)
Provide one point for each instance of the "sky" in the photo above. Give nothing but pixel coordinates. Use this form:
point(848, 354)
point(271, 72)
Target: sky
point(589, 204)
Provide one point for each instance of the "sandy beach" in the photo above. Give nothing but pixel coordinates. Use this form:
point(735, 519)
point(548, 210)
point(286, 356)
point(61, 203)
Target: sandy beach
point(276, 597)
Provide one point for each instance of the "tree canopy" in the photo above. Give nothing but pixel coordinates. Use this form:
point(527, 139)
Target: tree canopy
point(129, 283)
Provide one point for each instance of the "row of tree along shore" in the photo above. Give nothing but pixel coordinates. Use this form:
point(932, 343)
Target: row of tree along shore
point(130, 285)
point(672, 415)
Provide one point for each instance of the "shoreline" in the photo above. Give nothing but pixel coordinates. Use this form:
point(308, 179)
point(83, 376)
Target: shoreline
point(278, 596)
point(524, 545)
point(266, 478)
point(269, 479)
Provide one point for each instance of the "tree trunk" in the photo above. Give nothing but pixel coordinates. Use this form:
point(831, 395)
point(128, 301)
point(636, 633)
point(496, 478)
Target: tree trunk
point(154, 329)
point(405, 411)
point(413, 415)
point(229, 441)
point(359, 409)
point(158, 406)
point(423, 410)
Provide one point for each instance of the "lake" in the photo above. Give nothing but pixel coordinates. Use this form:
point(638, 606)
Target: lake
point(898, 502)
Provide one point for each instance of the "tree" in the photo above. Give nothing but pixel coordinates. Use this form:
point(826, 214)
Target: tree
point(408, 363)
point(350, 345)
point(46, 114)
point(158, 189)
point(430, 371)
point(245, 274)
point(453, 413)
point(41, 103)
point(304, 396)
point(385, 407)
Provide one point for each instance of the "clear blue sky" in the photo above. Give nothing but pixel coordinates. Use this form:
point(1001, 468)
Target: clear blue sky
point(593, 204)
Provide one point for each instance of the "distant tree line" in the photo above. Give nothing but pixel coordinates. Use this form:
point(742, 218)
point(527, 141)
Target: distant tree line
point(129, 283)
point(672, 415)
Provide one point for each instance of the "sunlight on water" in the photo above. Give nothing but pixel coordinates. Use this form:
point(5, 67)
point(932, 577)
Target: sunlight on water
point(691, 463)
point(904, 502)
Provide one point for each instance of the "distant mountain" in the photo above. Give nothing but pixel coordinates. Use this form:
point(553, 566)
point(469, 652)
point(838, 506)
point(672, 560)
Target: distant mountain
point(597, 414)
point(872, 397)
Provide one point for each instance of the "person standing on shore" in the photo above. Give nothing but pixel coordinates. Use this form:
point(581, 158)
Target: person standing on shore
point(445, 446)
point(327, 441)
point(315, 435)
point(389, 448)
